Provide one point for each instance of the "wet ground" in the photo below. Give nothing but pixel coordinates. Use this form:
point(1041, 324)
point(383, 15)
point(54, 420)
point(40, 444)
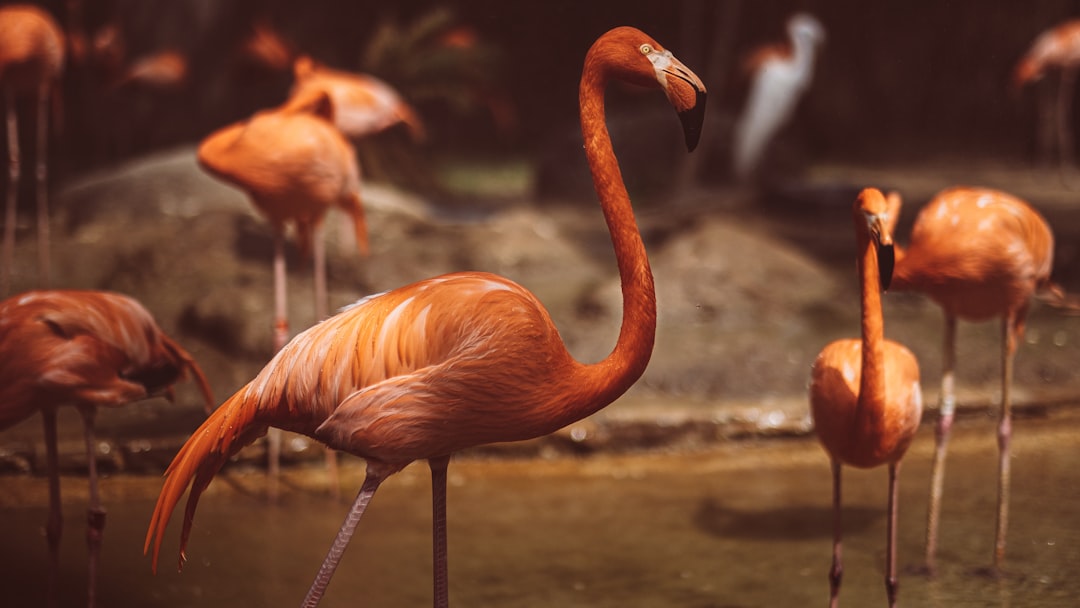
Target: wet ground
point(740, 524)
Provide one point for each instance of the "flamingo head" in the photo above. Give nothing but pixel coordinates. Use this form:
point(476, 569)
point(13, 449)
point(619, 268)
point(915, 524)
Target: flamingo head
point(635, 57)
point(873, 210)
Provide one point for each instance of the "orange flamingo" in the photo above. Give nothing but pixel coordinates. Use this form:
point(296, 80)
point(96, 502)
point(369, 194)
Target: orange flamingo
point(31, 62)
point(864, 394)
point(89, 349)
point(1058, 48)
point(979, 254)
point(295, 166)
point(454, 361)
point(363, 104)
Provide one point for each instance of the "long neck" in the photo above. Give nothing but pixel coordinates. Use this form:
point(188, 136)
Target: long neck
point(611, 377)
point(903, 277)
point(872, 383)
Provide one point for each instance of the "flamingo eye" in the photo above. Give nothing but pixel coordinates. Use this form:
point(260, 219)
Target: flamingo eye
point(645, 49)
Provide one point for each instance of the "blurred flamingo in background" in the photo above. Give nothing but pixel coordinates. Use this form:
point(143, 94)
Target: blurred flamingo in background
point(864, 394)
point(295, 166)
point(454, 361)
point(363, 104)
point(979, 254)
point(780, 74)
point(31, 63)
point(89, 349)
point(1056, 48)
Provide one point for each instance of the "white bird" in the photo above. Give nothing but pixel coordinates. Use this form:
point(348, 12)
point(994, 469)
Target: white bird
point(781, 73)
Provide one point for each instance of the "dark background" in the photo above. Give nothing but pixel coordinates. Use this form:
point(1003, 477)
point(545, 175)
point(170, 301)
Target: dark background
point(896, 80)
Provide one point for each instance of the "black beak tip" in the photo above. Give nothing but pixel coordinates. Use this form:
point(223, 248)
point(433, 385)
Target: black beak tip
point(692, 120)
point(886, 263)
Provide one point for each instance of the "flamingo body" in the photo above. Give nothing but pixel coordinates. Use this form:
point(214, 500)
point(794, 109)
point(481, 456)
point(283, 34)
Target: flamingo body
point(294, 165)
point(1057, 47)
point(977, 253)
point(363, 104)
point(454, 361)
point(878, 432)
point(88, 349)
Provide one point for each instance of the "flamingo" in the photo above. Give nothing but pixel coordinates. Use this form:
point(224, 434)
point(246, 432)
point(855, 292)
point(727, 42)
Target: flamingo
point(295, 166)
point(363, 104)
point(453, 361)
point(980, 254)
point(1057, 47)
point(864, 394)
point(89, 349)
point(781, 74)
point(31, 62)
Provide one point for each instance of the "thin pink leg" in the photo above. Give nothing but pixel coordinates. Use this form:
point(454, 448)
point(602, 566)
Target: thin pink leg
point(55, 523)
point(12, 195)
point(322, 310)
point(438, 517)
point(944, 427)
point(42, 173)
point(891, 584)
point(836, 573)
point(1009, 336)
point(375, 476)
point(95, 513)
point(281, 337)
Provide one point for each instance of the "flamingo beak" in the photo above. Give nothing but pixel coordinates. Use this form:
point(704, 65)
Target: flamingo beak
point(883, 243)
point(886, 262)
point(685, 91)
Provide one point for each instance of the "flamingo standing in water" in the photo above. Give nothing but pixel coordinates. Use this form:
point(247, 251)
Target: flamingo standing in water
point(89, 349)
point(780, 75)
point(979, 254)
point(1059, 48)
point(295, 166)
point(31, 62)
point(864, 394)
point(454, 361)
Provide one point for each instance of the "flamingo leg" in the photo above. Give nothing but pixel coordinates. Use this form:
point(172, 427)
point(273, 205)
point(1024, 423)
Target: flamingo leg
point(1011, 329)
point(438, 517)
point(95, 513)
point(322, 310)
point(375, 476)
point(836, 573)
point(42, 170)
point(12, 194)
point(891, 584)
point(281, 337)
point(55, 523)
point(944, 426)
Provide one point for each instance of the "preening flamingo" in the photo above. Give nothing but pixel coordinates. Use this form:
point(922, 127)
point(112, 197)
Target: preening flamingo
point(864, 394)
point(979, 254)
point(363, 104)
point(31, 63)
point(454, 361)
point(1055, 48)
point(780, 75)
point(89, 349)
point(295, 166)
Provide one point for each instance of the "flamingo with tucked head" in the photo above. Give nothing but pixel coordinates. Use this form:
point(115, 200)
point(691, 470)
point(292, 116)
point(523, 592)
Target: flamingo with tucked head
point(88, 349)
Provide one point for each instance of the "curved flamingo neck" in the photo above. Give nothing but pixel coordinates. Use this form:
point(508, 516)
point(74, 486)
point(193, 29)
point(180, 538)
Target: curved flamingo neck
point(872, 381)
point(627, 361)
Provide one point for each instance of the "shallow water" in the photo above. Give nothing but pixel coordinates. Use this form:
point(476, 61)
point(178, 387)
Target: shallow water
point(744, 524)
